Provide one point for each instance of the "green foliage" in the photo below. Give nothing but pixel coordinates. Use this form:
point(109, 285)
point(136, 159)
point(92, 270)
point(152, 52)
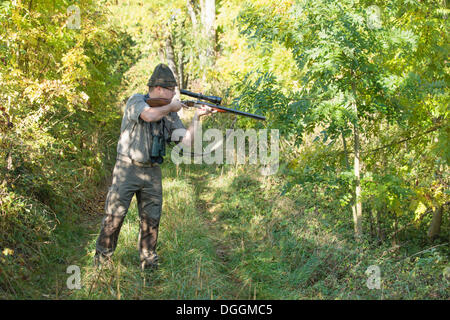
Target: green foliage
point(57, 116)
point(315, 69)
point(354, 70)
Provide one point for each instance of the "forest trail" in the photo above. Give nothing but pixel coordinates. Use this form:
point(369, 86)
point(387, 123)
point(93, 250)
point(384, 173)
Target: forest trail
point(218, 240)
point(206, 207)
point(227, 234)
point(195, 253)
point(362, 114)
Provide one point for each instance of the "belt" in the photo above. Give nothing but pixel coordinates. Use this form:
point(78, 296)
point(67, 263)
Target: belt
point(137, 163)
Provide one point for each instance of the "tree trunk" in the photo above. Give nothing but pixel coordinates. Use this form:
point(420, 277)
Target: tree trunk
point(181, 84)
point(347, 163)
point(371, 217)
point(191, 11)
point(376, 217)
point(357, 210)
point(208, 16)
point(394, 238)
point(435, 226)
point(170, 57)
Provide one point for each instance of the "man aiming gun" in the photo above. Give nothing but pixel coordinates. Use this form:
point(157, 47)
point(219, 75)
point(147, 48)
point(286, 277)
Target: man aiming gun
point(141, 146)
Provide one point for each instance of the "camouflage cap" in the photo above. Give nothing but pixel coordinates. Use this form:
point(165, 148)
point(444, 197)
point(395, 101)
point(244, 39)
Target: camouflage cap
point(162, 76)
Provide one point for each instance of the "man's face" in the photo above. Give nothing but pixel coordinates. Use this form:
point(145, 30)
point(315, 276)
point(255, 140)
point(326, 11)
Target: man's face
point(162, 92)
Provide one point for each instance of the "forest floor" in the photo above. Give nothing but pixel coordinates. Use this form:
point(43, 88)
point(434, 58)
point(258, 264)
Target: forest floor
point(226, 233)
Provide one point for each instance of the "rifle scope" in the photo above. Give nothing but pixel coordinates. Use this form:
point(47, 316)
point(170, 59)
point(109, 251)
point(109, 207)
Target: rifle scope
point(213, 99)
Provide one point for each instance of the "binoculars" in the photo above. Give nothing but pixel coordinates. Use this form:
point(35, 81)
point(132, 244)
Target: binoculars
point(158, 149)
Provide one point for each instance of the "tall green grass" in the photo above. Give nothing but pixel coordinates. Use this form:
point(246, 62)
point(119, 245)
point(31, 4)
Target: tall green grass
point(189, 267)
point(226, 233)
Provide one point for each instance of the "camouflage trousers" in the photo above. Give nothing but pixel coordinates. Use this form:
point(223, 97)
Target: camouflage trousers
point(130, 178)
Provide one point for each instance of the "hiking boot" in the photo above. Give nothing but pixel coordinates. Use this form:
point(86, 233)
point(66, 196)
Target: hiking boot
point(150, 262)
point(102, 261)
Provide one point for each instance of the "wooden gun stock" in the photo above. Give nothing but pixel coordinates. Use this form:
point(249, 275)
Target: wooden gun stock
point(157, 102)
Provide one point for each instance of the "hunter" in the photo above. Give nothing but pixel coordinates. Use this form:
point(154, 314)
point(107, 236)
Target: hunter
point(144, 132)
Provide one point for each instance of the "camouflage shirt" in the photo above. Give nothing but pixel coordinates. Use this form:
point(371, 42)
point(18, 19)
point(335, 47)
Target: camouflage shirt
point(135, 139)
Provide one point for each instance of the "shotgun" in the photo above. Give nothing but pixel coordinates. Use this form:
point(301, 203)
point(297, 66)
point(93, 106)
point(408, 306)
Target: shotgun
point(211, 101)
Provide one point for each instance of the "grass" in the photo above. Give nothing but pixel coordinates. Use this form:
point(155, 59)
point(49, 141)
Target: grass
point(226, 233)
point(189, 267)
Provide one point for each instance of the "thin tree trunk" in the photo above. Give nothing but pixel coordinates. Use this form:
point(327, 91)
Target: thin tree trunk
point(181, 84)
point(191, 11)
point(347, 163)
point(376, 217)
point(371, 223)
point(435, 226)
point(208, 16)
point(357, 210)
point(195, 29)
point(394, 240)
point(170, 57)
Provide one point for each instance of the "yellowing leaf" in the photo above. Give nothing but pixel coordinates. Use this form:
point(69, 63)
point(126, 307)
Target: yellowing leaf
point(293, 164)
point(421, 208)
point(8, 252)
